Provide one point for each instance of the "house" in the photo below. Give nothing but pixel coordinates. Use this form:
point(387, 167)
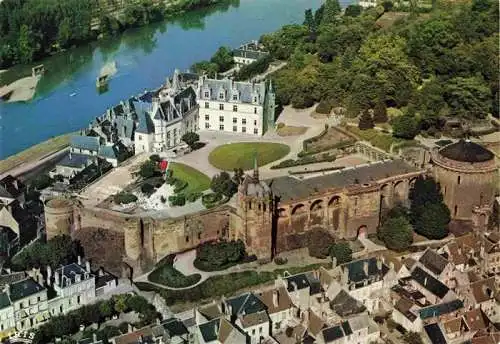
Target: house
point(405, 313)
point(279, 307)
point(301, 287)
point(74, 286)
point(235, 107)
point(248, 53)
point(29, 301)
point(104, 282)
point(87, 145)
point(12, 189)
point(164, 116)
point(359, 329)
point(434, 290)
point(170, 331)
point(436, 264)
point(71, 165)
point(219, 331)
point(434, 333)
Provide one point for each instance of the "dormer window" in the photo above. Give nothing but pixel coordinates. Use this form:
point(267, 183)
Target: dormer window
point(221, 95)
point(235, 97)
point(207, 94)
point(255, 99)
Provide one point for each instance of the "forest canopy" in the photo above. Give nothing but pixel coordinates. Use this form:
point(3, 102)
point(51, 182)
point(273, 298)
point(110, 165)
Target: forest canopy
point(431, 63)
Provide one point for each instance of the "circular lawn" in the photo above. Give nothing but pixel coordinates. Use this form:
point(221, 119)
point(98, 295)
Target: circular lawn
point(241, 155)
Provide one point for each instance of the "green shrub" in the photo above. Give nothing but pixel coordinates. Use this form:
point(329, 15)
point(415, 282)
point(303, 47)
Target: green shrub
point(124, 198)
point(193, 196)
point(177, 200)
point(155, 158)
point(324, 107)
point(179, 185)
point(147, 189)
point(250, 70)
point(211, 200)
point(341, 251)
point(280, 261)
point(219, 255)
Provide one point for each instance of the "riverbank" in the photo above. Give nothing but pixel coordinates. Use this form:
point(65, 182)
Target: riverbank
point(21, 90)
point(29, 158)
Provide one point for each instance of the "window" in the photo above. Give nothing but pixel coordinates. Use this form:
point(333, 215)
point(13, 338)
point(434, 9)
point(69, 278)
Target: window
point(221, 118)
point(243, 129)
point(260, 329)
point(235, 108)
point(221, 95)
point(221, 106)
point(458, 181)
point(235, 128)
point(207, 105)
point(456, 210)
point(175, 132)
point(207, 125)
point(78, 299)
point(199, 236)
point(256, 131)
point(254, 110)
point(253, 332)
point(207, 117)
point(243, 121)
point(207, 94)
point(187, 239)
point(140, 137)
point(254, 122)
point(235, 120)
point(235, 97)
point(255, 99)
point(221, 127)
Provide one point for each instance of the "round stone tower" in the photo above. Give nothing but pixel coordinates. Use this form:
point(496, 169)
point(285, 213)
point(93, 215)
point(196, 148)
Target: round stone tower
point(468, 176)
point(59, 217)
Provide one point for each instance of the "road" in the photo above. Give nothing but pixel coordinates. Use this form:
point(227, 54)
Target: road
point(28, 167)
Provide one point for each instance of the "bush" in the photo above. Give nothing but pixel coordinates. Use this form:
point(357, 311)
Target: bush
point(147, 189)
point(396, 231)
point(179, 185)
point(405, 127)
point(177, 200)
point(155, 158)
point(365, 121)
point(124, 198)
point(220, 255)
point(193, 196)
point(306, 160)
point(319, 243)
point(211, 200)
point(324, 107)
point(341, 251)
point(250, 70)
point(149, 169)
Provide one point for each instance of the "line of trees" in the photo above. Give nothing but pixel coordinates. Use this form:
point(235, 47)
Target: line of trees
point(441, 64)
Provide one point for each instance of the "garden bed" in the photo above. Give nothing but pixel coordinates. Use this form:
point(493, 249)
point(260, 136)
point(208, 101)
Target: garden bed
point(167, 275)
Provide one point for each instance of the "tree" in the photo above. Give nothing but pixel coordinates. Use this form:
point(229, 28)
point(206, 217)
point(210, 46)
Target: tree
point(223, 184)
point(223, 58)
point(26, 45)
point(365, 120)
point(190, 138)
point(468, 97)
point(380, 112)
point(319, 243)
point(147, 189)
point(396, 231)
point(405, 126)
point(429, 215)
point(431, 220)
point(353, 10)
point(331, 11)
point(341, 251)
point(309, 21)
point(149, 169)
point(205, 67)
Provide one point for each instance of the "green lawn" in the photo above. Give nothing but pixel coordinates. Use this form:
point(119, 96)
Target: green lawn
point(167, 275)
point(241, 155)
point(197, 181)
point(375, 137)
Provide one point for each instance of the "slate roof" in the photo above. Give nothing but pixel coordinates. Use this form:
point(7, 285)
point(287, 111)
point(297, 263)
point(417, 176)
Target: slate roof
point(430, 283)
point(254, 319)
point(466, 151)
point(283, 300)
point(210, 330)
point(124, 127)
point(101, 281)
point(85, 142)
point(245, 90)
point(357, 272)
point(74, 160)
point(4, 300)
point(145, 125)
point(435, 334)
point(440, 309)
point(345, 305)
point(245, 304)
point(289, 188)
point(70, 271)
point(210, 312)
point(110, 152)
point(20, 290)
point(174, 327)
point(403, 306)
point(433, 261)
point(304, 280)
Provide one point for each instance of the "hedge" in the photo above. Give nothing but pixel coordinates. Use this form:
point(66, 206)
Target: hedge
point(324, 107)
point(337, 145)
point(250, 70)
point(315, 138)
point(304, 161)
point(166, 274)
point(124, 198)
point(177, 200)
point(211, 200)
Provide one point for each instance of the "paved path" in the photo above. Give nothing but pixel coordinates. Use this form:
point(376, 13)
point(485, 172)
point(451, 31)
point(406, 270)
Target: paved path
point(26, 167)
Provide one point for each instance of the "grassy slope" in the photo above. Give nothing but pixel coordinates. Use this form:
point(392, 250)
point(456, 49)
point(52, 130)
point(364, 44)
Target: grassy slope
point(197, 181)
point(241, 155)
point(36, 152)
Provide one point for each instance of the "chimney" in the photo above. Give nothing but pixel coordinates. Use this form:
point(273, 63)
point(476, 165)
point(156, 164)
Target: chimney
point(216, 328)
point(334, 262)
point(56, 279)
point(87, 266)
point(79, 260)
point(425, 281)
point(94, 338)
point(276, 298)
point(6, 289)
point(379, 264)
point(365, 268)
point(101, 272)
point(49, 275)
point(130, 328)
point(294, 285)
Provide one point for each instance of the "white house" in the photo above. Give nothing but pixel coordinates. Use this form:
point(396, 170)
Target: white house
point(74, 285)
point(219, 331)
point(279, 307)
point(406, 314)
point(359, 329)
point(248, 53)
point(235, 107)
point(164, 116)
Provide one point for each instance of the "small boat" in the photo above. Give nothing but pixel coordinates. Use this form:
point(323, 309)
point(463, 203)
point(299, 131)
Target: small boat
point(72, 94)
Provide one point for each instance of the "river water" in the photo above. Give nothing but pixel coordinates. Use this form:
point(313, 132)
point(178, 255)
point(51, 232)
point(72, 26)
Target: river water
point(66, 98)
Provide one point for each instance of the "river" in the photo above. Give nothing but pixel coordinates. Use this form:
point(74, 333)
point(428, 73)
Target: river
point(66, 98)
